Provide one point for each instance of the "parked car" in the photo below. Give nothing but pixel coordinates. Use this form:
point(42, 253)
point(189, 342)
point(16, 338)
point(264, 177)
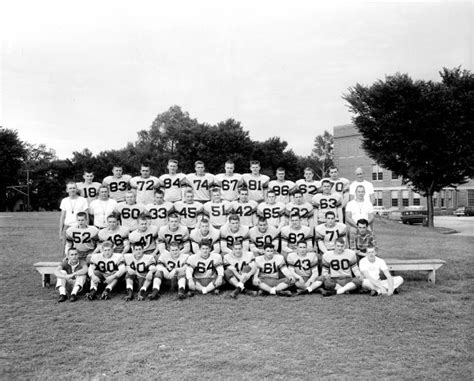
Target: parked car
point(414, 217)
point(464, 211)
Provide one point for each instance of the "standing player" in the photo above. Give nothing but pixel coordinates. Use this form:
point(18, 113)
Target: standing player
point(171, 267)
point(282, 187)
point(255, 182)
point(146, 235)
point(116, 234)
point(239, 267)
point(159, 210)
point(144, 185)
point(118, 184)
point(82, 236)
point(189, 210)
point(140, 270)
point(308, 186)
point(261, 235)
point(70, 206)
point(272, 275)
point(204, 231)
point(304, 265)
point(233, 232)
point(245, 208)
point(204, 271)
point(172, 182)
point(102, 207)
point(339, 185)
point(302, 208)
point(368, 186)
point(272, 211)
point(71, 273)
point(105, 267)
point(229, 182)
point(129, 211)
point(200, 182)
point(358, 209)
point(217, 209)
point(327, 201)
point(89, 189)
point(173, 232)
point(327, 233)
point(292, 234)
point(340, 270)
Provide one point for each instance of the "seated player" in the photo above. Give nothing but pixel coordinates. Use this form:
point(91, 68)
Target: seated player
point(176, 232)
point(302, 208)
point(83, 237)
point(159, 210)
point(205, 231)
point(370, 266)
point(171, 267)
point(146, 234)
point(129, 211)
point(217, 209)
point(327, 233)
point(325, 202)
point(105, 267)
point(304, 265)
point(273, 211)
point(262, 234)
point(291, 235)
point(340, 271)
point(140, 270)
point(281, 187)
point(71, 273)
point(272, 275)
point(204, 270)
point(308, 186)
point(362, 239)
point(116, 234)
point(244, 208)
point(189, 210)
point(232, 232)
point(239, 267)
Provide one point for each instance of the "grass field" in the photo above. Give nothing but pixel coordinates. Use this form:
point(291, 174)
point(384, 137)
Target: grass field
point(424, 332)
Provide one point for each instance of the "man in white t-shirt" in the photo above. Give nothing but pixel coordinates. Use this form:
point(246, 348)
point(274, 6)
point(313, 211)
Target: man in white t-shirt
point(101, 208)
point(369, 188)
point(357, 209)
point(370, 267)
point(70, 206)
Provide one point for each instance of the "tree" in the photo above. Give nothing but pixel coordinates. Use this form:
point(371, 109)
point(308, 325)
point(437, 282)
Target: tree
point(323, 152)
point(420, 130)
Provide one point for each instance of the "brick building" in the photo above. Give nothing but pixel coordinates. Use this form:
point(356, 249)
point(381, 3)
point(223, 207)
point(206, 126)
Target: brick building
point(389, 190)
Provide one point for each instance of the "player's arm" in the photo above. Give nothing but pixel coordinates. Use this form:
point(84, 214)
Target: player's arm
point(286, 272)
point(189, 271)
point(325, 269)
point(122, 269)
point(349, 220)
point(371, 217)
point(126, 245)
point(389, 280)
point(314, 274)
point(58, 273)
point(309, 242)
point(355, 269)
point(284, 245)
point(186, 245)
point(61, 223)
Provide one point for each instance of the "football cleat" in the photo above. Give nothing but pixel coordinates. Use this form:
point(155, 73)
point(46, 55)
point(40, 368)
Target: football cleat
point(216, 291)
point(105, 295)
point(128, 296)
point(62, 298)
point(234, 294)
point(181, 294)
point(327, 292)
point(190, 294)
point(155, 294)
point(302, 292)
point(141, 295)
point(373, 293)
point(73, 298)
point(92, 295)
point(285, 293)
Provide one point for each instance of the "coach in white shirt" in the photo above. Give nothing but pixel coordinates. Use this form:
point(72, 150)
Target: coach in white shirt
point(101, 208)
point(357, 209)
point(369, 188)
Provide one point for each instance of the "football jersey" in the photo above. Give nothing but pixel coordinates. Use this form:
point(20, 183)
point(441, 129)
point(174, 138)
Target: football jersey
point(201, 185)
point(129, 214)
point(325, 203)
point(303, 265)
point(329, 235)
point(83, 239)
point(282, 190)
point(270, 268)
point(305, 211)
point(101, 210)
point(204, 268)
point(238, 262)
point(180, 235)
point(338, 186)
point(230, 237)
point(147, 238)
point(274, 213)
point(118, 186)
point(293, 236)
point(171, 185)
point(217, 212)
point(189, 212)
point(89, 191)
point(340, 265)
point(246, 211)
point(118, 237)
point(308, 188)
point(259, 239)
point(229, 185)
point(145, 188)
point(170, 263)
point(159, 213)
point(108, 266)
point(196, 237)
point(373, 268)
point(256, 186)
point(140, 266)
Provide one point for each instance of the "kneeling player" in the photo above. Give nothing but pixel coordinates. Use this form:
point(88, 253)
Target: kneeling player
point(204, 270)
point(171, 267)
point(370, 267)
point(304, 266)
point(340, 270)
point(239, 267)
point(106, 267)
point(71, 273)
point(140, 270)
point(272, 275)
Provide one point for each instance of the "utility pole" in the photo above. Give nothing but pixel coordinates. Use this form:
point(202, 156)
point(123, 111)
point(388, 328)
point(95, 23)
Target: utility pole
point(19, 188)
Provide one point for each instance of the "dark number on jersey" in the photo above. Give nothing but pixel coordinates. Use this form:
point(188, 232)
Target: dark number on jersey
point(342, 264)
point(145, 185)
point(109, 266)
point(118, 186)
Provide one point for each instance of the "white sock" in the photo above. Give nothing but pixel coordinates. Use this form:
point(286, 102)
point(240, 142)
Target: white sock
point(204, 290)
point(75, 290)
point(310, 290)
point(62, 290)
point(241, 285)
point(273, 291)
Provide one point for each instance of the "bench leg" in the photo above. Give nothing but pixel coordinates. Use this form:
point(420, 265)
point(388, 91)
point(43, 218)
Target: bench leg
point(46, 280)
point(432, 276)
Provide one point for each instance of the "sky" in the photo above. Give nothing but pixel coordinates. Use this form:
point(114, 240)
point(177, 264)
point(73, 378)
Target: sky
point(90, 74)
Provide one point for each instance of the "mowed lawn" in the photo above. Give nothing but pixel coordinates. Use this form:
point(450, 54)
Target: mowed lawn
point(424, 332)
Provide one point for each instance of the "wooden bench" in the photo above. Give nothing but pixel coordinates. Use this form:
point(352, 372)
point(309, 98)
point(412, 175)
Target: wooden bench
point(46, 269)
point(430, 265)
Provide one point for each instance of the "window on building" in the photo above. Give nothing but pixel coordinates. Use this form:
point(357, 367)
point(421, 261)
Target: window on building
point(449, 202)
point(470, 197)
point(394, 198)
point(435, 199)
point(378, 198)
point(394, 176)
point(442, 199)
point(417, 199)
point(405, 199)
point(377, 173)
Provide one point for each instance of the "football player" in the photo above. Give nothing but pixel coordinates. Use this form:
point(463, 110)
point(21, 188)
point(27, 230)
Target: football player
point(189, 210)
point(71, 273)
point(116, 234)
point(146, 235)
point(129, 211)
point(82, 236)
point(118, 183)
point(292, 234)
point(327, 233)
point(89, 189)
point(261, 235)
point(281, 187)
point(304, 265)
point(140, 270)
point(173, 231)
point(302, 208)
point(233, 231)
point(308, 186)
point(159, 210)
point(205, 231)
point(144, 185)
point(217, 209)
point(327, 201)
point(255, 182)
point(172, 182)
point(246, 209)
point(239, 267)
point(200, 182)
point(272, 211)
point(229, 182)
